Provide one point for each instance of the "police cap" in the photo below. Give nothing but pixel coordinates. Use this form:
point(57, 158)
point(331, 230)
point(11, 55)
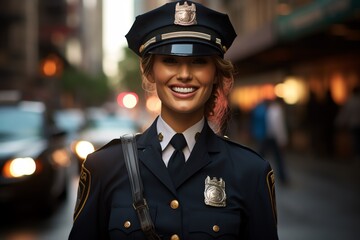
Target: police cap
point(181, 28)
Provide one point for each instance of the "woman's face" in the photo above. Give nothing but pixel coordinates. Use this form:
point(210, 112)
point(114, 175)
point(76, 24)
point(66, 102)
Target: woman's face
point(183, 84)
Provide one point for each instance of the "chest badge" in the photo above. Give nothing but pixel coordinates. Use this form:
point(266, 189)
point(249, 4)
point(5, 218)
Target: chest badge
point(214, 193)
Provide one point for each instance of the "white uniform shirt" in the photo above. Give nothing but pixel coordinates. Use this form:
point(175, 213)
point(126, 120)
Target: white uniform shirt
point(167, 132)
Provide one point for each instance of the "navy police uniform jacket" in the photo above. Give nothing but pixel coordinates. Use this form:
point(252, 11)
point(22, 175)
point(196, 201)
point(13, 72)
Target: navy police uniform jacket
point(104, 206)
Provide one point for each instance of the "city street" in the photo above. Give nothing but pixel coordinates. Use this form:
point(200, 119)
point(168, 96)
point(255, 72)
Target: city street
point(321, 202)
point(77, 73)
point(34, 227)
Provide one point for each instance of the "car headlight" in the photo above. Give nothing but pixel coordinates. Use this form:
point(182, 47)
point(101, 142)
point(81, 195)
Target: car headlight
point(83, 148)
point(61, 158)
point(19, 167)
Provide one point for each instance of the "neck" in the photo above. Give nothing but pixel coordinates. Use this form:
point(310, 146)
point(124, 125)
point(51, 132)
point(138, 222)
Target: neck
point(180, 122)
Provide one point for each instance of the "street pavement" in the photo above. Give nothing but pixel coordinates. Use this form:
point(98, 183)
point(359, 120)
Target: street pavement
point(321, 200)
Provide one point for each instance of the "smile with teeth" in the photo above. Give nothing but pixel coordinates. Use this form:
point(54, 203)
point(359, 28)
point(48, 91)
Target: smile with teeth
point(183, 89)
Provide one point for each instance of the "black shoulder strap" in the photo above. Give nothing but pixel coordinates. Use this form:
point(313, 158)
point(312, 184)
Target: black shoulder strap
point(139, 202)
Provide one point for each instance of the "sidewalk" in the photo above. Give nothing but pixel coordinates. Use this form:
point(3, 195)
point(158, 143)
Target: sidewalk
point(322, 200)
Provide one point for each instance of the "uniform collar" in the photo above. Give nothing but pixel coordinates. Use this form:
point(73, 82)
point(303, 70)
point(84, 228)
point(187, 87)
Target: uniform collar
point(166, 133)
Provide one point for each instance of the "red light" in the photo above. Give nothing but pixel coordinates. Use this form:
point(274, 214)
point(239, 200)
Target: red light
point(127, 99)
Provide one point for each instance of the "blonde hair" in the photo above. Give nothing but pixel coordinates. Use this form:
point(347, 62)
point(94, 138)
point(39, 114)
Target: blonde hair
point(217, 106)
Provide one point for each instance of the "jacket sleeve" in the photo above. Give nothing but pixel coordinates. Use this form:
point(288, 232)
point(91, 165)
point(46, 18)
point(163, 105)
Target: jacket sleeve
point(89, 214)
point(263, 217)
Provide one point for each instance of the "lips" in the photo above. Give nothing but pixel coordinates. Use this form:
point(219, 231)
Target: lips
point(183, 90)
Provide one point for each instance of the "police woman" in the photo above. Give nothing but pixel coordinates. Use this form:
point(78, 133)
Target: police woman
point(212, 188)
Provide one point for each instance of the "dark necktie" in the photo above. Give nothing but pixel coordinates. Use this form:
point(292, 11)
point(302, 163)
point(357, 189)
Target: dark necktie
point(177, 159)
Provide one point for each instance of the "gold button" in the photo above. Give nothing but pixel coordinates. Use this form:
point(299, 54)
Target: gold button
point(127, 224)
point(216, 228)
point(175, 237)
point(174, 204)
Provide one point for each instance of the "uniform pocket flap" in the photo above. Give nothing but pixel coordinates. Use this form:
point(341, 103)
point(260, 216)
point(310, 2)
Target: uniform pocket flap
point(124, 219)
point(215, 224)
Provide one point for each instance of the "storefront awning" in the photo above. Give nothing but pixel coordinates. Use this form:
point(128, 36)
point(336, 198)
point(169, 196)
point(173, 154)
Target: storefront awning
point(314, 17)
point(318, 30)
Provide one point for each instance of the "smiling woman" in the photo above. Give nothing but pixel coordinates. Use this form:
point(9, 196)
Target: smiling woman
point(197, 184)
point(183, 84)
point(216, 113)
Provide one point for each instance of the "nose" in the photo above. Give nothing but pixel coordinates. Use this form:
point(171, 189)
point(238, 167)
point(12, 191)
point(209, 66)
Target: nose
point(184, 72)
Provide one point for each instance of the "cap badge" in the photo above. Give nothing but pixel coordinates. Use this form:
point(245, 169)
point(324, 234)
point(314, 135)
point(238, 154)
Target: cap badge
point(185, 14)
point(215, 192)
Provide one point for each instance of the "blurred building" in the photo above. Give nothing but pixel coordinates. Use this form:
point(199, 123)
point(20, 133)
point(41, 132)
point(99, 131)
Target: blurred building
point(90, 32)
point(18, 43)
point(306, 51)
point(42, 38)
point(286, 38)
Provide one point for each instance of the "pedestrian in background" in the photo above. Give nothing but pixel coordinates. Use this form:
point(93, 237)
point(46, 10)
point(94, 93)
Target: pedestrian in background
point(270, 132)
point(349, 118)
point(218, 189)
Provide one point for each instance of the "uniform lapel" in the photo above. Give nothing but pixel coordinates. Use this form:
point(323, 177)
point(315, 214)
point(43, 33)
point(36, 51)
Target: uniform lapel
point(199, 157)
point(149, 153)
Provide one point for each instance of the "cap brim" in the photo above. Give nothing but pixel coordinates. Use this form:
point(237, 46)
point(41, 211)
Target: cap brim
point(185, 49)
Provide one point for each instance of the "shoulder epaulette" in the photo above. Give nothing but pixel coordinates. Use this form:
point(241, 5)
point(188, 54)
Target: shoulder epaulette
point(111, 143)
point(115, 141)
point(227, 139)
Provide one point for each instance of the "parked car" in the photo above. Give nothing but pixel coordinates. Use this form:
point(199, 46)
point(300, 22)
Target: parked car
point(71, 120)
point(34, 161)
point(99, 130)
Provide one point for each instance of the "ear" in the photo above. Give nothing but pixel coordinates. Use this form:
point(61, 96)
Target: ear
point(149, 76)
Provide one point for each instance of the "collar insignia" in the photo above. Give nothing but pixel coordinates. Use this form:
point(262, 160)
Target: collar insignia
point(214, 193)
point(185, 14)
point(160, 137)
